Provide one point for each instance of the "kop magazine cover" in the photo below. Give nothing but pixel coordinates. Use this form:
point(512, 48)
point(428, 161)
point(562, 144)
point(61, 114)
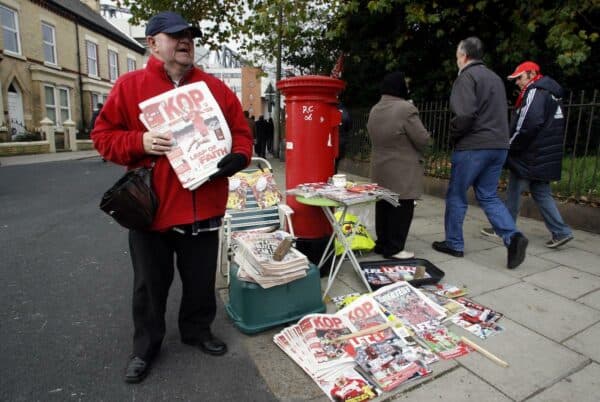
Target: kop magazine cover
point(200, 132)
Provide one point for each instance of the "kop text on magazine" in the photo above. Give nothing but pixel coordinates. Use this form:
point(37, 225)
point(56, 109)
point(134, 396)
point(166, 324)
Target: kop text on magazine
point(200, 132)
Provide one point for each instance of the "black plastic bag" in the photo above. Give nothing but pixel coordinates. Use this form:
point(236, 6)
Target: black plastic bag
point(131, 200)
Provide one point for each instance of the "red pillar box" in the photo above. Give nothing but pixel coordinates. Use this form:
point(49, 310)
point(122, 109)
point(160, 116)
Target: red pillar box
point(312, 121)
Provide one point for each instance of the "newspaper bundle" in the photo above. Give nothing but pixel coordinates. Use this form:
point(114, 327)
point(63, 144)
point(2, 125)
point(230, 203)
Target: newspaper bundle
point(201, 136)
point(357, 344)
point(254, 255)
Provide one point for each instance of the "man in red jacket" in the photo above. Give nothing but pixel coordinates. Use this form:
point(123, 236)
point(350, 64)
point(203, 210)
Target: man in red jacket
point(187, 222)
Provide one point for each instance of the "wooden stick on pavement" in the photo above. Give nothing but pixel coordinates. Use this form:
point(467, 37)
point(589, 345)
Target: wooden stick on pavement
point(484, 352)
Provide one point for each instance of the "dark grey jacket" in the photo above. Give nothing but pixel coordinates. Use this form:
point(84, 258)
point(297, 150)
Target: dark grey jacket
point(538, 127)
point(478, 102)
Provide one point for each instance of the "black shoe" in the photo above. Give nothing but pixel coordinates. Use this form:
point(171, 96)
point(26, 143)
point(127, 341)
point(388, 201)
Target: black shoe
point(442, 247)
point(208, 344)
point(516, 250)
point(137, 369)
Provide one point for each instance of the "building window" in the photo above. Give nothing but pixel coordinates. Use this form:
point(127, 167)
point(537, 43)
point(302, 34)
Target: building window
point(92, 58)
point(10, 30)
point(49, 43)
point(58, 107)
point(130, 64)
point(98, 98)
point(113, 65)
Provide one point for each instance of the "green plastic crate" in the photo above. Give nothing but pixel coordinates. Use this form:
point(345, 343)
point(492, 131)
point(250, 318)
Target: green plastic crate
point(254, 309)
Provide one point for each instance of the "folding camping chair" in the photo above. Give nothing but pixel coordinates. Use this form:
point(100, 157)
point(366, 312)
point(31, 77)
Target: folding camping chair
point(251, 217)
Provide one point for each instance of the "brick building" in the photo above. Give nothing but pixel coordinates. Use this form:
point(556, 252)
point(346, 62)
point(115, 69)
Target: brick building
point(58, 59)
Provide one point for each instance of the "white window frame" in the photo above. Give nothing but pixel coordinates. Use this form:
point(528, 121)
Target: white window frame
point(113, 65)
point(131, 64)
point(58, 108)
point(11, 30)
point(94, 59)
point(50, 44)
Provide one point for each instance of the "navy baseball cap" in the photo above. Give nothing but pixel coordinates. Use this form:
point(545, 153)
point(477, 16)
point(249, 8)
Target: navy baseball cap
point(170, 22)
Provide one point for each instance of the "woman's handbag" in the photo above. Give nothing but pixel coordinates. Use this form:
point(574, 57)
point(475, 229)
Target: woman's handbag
point(131, 200)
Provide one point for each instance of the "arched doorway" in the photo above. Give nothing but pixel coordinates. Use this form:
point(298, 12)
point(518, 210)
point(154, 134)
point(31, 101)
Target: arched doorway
point(15, 110)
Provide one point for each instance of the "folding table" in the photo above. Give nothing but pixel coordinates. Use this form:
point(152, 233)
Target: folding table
point(336, 224)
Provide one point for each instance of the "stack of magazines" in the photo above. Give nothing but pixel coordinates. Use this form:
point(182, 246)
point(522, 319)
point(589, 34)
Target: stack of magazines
point(201, 136)
point(329, 191)
point(350, 194)
point(253, 253)
point(367, 346)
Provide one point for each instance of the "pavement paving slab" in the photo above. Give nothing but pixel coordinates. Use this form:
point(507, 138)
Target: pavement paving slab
point(575, 258)
point(582, 386)
point(592, 300)
point(455, 386)
point(542, 311)
point(535, 362)
point(565, 281)
point(586, 342)
point(477, 278)
point(496, 258)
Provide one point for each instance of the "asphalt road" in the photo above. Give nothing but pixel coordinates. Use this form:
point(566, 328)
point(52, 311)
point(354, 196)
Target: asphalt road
point(65, 317)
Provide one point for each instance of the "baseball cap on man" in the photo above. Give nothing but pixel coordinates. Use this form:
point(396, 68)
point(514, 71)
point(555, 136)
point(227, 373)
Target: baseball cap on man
point(170, 22)
point(524, 67)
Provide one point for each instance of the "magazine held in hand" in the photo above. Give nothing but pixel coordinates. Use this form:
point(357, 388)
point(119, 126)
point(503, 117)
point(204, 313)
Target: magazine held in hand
point(201, 136)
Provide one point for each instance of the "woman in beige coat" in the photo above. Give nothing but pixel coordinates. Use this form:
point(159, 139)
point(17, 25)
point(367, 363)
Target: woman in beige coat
point(399, 140)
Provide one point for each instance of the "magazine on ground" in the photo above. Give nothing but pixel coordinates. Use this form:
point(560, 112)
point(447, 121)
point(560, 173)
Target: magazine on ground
point(387, 274)
point(328, 346)
point(201, 136)
point(446, 290)
point(445, 343)
point(477, 319)
point(406, 303)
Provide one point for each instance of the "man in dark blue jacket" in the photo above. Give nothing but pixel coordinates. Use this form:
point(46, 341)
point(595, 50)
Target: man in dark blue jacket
point(536, 148)
point(479, 131)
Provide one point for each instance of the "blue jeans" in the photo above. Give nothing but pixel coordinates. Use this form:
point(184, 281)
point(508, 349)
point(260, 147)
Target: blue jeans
point(542, 195)
point(481, 169)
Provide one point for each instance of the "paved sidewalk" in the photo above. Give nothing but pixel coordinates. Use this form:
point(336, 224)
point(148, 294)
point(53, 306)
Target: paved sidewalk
point(551, 305)
point(49, 157)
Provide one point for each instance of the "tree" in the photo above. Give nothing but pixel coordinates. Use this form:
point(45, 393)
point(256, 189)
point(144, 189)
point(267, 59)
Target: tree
point(420, 37)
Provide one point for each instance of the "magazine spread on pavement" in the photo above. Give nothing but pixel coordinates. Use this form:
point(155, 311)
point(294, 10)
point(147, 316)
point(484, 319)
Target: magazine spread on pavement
point(201, 136)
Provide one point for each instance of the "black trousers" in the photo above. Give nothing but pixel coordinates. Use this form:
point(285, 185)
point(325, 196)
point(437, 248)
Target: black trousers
point(392, 225)
point(154, 255)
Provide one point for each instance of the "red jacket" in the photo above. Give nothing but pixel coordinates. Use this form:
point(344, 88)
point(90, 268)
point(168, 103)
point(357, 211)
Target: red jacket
point(118, 132)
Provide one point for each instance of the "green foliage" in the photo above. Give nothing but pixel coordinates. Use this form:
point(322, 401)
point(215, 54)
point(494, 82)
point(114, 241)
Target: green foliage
point(420, 37)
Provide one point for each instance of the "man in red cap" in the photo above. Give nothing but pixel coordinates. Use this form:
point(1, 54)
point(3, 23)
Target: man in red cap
point(536, 148)
point(185, 230)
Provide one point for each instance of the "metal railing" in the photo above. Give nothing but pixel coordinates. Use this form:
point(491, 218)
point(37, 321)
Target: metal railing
point(580, 179)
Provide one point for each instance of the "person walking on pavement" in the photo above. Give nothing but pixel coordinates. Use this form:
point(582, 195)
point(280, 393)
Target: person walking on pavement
point(94, 117)
point(187, 222)
point(251, 124)
point(479, 132)
point(536, 149)
point(262, 131)
point(399, 140)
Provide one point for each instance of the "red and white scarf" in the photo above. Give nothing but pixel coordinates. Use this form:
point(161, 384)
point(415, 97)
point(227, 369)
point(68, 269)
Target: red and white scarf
point(522, 93)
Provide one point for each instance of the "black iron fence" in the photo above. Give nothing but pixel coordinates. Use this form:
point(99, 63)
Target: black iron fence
point(580, 179)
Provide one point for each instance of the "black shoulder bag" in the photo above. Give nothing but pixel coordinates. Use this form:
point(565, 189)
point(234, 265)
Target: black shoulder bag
point(131, 200)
